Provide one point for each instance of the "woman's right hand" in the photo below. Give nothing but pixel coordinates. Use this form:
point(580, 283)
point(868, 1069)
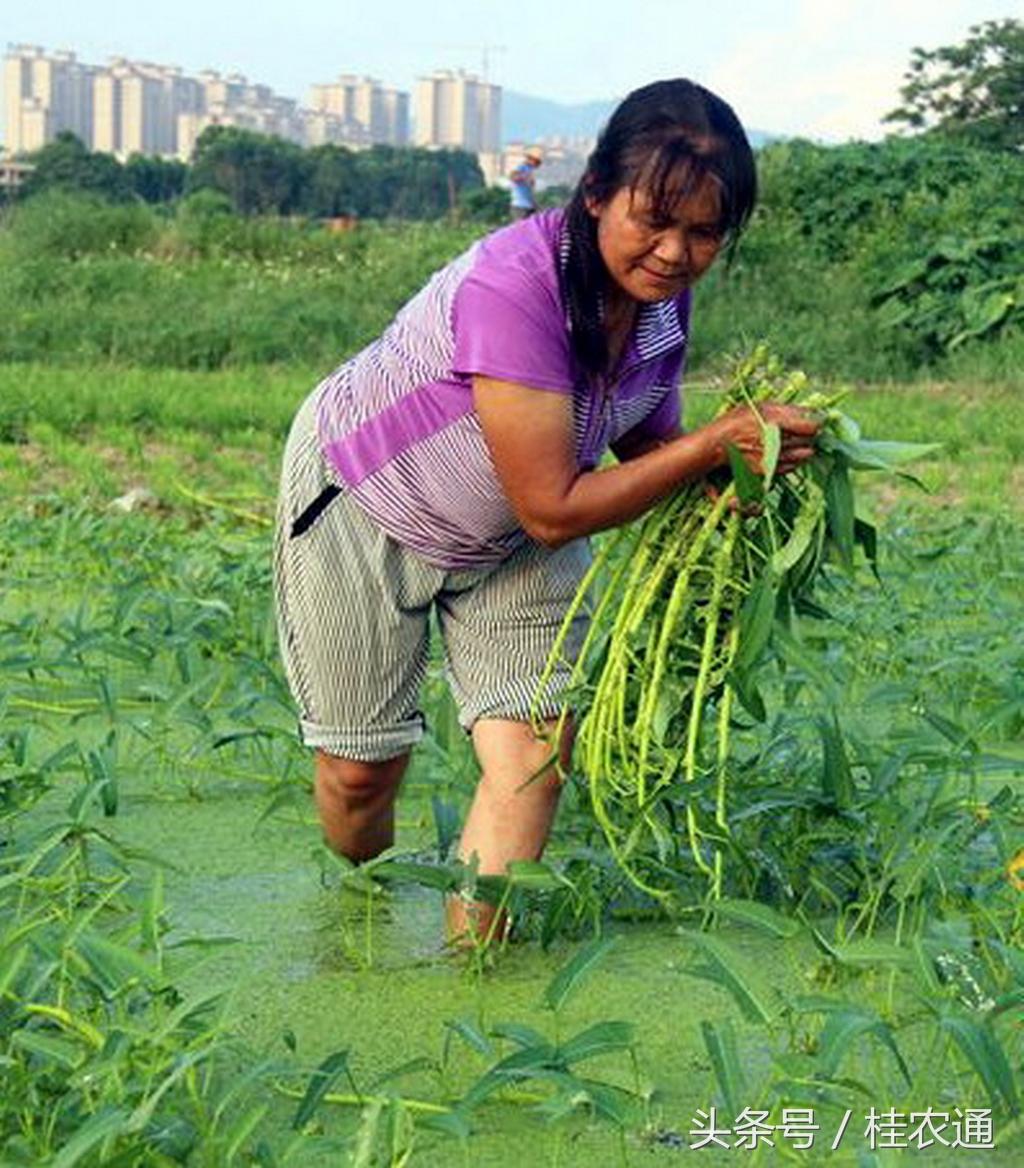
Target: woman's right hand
point(743, 428)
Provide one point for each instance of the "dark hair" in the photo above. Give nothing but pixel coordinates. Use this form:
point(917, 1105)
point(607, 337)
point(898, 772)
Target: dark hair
point(671, 135)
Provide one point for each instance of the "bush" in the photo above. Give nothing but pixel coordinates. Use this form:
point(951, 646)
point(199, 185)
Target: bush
point(58, 223)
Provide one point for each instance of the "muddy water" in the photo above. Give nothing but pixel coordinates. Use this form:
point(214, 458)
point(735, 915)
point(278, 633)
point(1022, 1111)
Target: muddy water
point(317, 963)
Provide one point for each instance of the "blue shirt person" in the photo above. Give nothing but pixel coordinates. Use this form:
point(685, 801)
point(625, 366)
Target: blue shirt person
point(523, 179)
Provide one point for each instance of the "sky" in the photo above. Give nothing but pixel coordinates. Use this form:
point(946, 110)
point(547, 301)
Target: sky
point(824, 69)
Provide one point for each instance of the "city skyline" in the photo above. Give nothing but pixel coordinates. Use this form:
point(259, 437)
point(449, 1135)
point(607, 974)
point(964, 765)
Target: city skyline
point(126, 107)
point(825, 69)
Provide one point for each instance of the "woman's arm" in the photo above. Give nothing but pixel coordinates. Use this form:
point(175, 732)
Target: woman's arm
point(629, 446)
point(530, 436)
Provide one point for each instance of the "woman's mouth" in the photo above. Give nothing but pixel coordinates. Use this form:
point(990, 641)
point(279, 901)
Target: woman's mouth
point(663, 277)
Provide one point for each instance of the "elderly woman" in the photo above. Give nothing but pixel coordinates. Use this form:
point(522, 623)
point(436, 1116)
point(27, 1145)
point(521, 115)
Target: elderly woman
point(453, 465)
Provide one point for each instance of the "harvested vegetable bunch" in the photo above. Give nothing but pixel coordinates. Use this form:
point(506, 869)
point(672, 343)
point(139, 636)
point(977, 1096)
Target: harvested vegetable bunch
point(691, 597)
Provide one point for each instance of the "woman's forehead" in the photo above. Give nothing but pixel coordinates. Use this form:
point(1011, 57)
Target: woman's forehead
point(686, 189)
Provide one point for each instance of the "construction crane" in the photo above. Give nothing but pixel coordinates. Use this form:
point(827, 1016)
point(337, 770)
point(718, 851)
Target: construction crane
point(485, 52)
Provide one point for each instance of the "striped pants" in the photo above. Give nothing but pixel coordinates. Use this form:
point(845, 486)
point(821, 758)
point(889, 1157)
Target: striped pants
point(353, 614)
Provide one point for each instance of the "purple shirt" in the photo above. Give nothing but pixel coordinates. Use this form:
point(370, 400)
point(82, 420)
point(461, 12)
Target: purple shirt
point(397, 421)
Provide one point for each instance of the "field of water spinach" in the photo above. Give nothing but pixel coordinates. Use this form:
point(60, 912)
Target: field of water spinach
point(188, 977)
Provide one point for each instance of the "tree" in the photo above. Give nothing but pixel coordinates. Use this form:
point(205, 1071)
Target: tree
point(412, 182)
point(66, 164)
point(973, 92)
point(260, 174)
point(154, 179)
point(332, 188)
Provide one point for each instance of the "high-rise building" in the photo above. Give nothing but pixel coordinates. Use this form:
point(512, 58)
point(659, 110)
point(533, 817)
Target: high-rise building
point(44, 94)
point(234, 101)
point(457, 110)
point(381, 115)
point(136, 107)
point(396, 117)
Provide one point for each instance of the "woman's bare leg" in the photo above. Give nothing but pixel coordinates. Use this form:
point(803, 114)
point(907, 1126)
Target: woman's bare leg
point(511, 816)
point(356, 802)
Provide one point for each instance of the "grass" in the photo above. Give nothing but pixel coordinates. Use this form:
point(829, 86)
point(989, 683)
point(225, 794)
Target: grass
point(154, 809)
point(82, 285)
point(186, 976)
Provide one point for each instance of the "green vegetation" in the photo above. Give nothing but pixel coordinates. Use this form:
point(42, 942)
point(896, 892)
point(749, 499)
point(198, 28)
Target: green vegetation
point(687, 605)
point(186, 977)
point(867, 262)
point(971, 91)
point(262, 175)
point(178, 970)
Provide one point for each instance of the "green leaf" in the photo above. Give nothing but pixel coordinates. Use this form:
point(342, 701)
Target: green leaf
point(58, 1050)
point(521, 1064)
point(409, 1067)
point(866, 535)
point(797, 655)
point(601, 1038)
point(844, 1027)
point(11, 965)
point(101, 1126)
point(720, 1041)
point(836, 776)
point(534, 874)
point(728, 969)
point(757, 616)
point(905, 275)
point(607, 1101)
point(447, 1123)
point(320, 1082)
point(929, 853)
point(409, 872)
point(949, 730)
point(569, 978)
point(839, 511)
point(749, 490)
point(749, 695)
point(242, 1129)
point(804, 530)
point(152, 909)
point(666, 706)
point(869, 951)
point(982, 314)
point(470, 1034)
point(984, 1052)
point(771, 439)
point(517, 1032)
point(871, 454)
point(761, 916)
point(115, 966)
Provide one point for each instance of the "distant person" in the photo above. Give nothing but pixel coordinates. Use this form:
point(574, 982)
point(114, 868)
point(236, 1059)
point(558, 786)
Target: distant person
point(455, 466)
point(524, 180)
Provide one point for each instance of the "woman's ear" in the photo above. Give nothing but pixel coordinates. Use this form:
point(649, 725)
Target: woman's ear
point(590, 201)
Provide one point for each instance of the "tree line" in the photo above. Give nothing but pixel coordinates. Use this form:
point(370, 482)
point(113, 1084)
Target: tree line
point(263, 175)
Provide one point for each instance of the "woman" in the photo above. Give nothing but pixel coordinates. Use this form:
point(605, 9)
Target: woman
point(453, 464)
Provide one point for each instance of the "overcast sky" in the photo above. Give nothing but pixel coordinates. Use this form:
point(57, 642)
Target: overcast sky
point(827, 69)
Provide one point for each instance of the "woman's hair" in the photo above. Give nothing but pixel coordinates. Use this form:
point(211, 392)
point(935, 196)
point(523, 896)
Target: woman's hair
point(670, 136)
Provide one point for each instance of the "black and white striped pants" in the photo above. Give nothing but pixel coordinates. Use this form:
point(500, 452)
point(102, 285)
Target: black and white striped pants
point(353, 610)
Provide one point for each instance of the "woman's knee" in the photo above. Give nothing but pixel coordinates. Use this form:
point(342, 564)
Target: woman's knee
point(357, 783)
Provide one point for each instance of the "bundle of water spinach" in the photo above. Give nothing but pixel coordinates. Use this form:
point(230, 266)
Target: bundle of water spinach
point(691, 597)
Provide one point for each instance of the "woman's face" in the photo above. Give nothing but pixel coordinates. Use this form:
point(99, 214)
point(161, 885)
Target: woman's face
point(651, 255)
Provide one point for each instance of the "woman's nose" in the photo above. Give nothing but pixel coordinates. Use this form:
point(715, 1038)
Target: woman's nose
point(674, 248)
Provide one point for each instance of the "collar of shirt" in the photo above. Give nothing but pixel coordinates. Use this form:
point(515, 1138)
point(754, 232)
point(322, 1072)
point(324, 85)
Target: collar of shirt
point(658, 328)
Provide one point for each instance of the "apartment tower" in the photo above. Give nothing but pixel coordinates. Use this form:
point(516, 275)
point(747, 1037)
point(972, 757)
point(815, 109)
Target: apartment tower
point(457, 109)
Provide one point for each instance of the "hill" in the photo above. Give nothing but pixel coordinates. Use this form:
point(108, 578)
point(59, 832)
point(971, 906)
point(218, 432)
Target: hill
point(525, 118)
